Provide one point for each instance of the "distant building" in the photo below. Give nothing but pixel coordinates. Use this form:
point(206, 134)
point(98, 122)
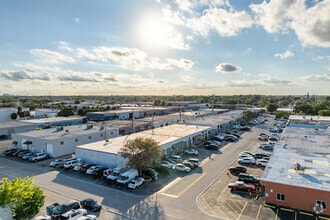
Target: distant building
point(173, 139)
point(5, 114)
point(61, 141)
point(298, 173)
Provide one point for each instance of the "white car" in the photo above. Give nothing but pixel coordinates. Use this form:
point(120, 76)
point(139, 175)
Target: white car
point(191, 152)
point(182, 167)
point(78, 166)
point(243, 156)
point(42, 217)
point(167, 164)
point(262, 162)
point(91, 170)
point(135, 183)
point(248, 160)
point(263, 137)
point(74, 214)
point(246, 153)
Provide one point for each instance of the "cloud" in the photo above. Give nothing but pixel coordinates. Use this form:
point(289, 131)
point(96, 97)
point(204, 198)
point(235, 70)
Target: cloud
point(321, 58)
point(181, 63)
point(310, 23)
point(320, 77)
point(76, 78)
point(227, 67)
point(64, 46)
point(242, 83)
point(76, 20)
point(51, 57)
point(284, 55)
point(226, 23)
point(22, 75)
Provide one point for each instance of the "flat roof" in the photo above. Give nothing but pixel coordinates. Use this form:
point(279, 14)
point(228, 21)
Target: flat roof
point(216, 119)
point(44, 120)
point(67, 132)
point(14, 124)
point(162, 135)
point(307, 147)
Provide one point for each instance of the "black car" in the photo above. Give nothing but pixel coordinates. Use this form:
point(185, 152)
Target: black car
point(98, 172)
point(237, 169)
point(9, 152)
point(57, 209)
point(261, 155)
point(248, 178)
point(91, 204)
point(230, 138)
point(211, 147)
point(245, 128)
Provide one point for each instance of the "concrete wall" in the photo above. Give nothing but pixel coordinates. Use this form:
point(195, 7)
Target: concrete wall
point(100, 158)
point(296, 197)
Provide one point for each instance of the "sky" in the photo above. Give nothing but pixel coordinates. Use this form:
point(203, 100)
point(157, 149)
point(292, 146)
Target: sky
point(160, 47)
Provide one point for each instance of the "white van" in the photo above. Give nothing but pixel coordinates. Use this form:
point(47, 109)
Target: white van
point(126, 177)
point(71, 163)
point(115, 173)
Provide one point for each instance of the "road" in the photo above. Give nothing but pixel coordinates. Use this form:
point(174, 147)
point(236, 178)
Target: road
point(178, 200)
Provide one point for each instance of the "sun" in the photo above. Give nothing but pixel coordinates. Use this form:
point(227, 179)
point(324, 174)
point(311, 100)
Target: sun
point(152, 31)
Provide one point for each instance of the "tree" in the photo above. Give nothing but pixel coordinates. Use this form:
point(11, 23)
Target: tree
point(23, 197)
point(66, 112)
point(13, 116)
point(142, 152)
point(271, 107)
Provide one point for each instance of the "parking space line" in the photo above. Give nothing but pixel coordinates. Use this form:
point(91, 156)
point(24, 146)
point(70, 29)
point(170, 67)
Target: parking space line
point(170, 184)
point(242, 211)
point(260, 206)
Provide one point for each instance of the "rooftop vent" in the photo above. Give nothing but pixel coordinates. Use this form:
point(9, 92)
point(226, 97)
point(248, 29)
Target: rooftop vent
point(89, 126)
point(59, 128)
point(297, 166)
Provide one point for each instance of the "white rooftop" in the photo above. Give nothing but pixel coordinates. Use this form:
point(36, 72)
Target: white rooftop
point(306, 146)
point(162, 135)
point(44, 120)
point(67, 132)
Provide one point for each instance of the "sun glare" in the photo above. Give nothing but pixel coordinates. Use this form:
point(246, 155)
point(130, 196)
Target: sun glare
point(152, 31)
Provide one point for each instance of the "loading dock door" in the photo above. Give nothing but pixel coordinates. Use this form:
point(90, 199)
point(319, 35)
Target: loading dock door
point(50, 149)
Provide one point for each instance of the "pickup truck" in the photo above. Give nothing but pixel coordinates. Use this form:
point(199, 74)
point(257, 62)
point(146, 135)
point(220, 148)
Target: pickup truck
point(38, 156)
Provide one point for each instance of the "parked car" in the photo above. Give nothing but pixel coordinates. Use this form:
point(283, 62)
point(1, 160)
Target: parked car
point(261, 155)
point(91, 169)
point(243, 156)
point(27, 155)
point(230, 138)
point(55, 162)
point(248, 178)
point(263, 137)
point(248, 160)
point(247, 153)
point(188, 164)
point(91, 204)
point(151, 173)
point(182, 167)
point(240, 185)
point(135, 183)
point(191, 152)
point(71, 163)
point(9, 152)
point(245, 128)
point(4, 137)
point(194, 161)
point(237, 169)
point(268, 147)
point(219, 138)
point(98, 172)
point(38, 156)
point(74, 214)
point(262, 162)
point(127, 176)
point(19, 151)
point(167, 164)
point(85, 167)
point(57, 209)
point(273, 139)
point(42, 217)
point(176, 158)
point(78, 166)
point(211, 147)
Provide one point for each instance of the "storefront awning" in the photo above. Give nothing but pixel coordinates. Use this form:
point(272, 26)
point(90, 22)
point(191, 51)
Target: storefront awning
point(27, 142)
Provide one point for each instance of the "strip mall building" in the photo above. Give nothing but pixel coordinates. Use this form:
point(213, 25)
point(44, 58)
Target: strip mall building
point(298, 173)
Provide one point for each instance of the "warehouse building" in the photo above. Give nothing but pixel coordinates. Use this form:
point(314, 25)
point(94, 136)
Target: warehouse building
point(62, 140)
point(173, 139)
point(298, 173)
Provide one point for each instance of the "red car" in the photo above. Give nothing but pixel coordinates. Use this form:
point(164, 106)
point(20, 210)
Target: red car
point(240, 185)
